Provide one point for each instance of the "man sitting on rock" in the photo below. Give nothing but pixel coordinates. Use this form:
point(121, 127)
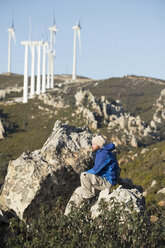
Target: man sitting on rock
point(103, 175)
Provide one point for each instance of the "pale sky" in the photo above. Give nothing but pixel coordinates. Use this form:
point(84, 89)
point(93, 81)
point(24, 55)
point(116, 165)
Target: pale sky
point(118, 37)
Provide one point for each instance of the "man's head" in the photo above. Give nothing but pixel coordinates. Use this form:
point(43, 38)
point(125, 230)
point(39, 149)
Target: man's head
point(98, 142)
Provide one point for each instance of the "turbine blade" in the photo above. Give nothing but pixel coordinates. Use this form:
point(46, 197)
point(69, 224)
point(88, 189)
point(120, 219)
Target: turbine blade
point(79, 24)
point(54, 39)
point(12, 19)
point(13, 34)
point(54, 52)
point(54, 21)
point(30, 29)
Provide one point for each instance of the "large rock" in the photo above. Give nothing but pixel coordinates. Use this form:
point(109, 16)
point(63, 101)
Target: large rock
point(42, 175)
point(121, 196)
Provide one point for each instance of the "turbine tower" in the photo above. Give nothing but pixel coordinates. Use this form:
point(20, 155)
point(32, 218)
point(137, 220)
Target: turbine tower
point(25, 88)
point(32, 48)
point(76, 29)
point(48, 66)
point(32, 88)
point(52, 54)
point(45, 46)
point(11, 34)
point(39, 44)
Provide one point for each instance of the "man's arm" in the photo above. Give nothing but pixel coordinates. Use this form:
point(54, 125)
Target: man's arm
point(100, 162)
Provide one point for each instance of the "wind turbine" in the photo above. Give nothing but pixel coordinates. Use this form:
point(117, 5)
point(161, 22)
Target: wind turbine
point(25, 88)
point(45, 47)
point(48, 66)
point(11, 34)
point(32, 48)
point(32, 88)
point(76, 29)
point(52, 54)
point(39, 44)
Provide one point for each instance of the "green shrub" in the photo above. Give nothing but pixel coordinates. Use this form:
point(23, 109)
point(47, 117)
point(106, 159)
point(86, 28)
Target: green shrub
point(115, 228)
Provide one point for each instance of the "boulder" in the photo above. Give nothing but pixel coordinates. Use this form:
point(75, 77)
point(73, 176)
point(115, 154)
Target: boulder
point(162, 191)
point(134, 142)
point(154, 182)
point(153, 218)
point(161, 204)
point(120, 195)
point(79, 96)
point(40, 176)
point(122, 122)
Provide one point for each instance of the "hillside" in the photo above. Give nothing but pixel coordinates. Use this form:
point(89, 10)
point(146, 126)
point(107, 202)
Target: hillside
point(27, 126)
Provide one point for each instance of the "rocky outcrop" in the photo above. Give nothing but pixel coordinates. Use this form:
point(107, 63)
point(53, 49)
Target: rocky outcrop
point(93, 109)
point(8, 90)
point(2, 131)
point(121, 195)
point(42, 175)
point(159, 114)
point(57, 103)
point(128, 129)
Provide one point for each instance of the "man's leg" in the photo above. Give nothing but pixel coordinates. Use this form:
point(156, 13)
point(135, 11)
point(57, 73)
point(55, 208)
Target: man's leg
point(76, 198)
point(91, 185)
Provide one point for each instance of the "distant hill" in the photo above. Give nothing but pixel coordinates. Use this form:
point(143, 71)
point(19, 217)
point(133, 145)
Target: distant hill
point(138, 94)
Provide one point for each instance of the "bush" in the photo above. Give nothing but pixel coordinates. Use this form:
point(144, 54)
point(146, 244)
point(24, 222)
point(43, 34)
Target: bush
point(113, 228)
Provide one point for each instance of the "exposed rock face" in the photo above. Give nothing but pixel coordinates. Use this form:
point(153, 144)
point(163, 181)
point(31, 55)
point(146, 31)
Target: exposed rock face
point(2, 131)
point(130, 129)
point(159, 114)
point(55, 102)
point(44, 174)
point(126, 129)
point(8, 90)
point(120, 195)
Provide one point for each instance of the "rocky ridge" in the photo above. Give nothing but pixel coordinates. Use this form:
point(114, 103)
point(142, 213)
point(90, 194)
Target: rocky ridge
point(131, 129)
point(121, 196)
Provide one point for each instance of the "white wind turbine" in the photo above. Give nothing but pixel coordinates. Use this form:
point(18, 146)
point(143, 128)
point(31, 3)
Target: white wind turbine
point(48, 66)
point(52, 53)
point(32, 88)
point(32, 48)
point(25, 85)
point(39, 44)
point(45, 48)
point(11, 34)
point(47, 51)
point(25, 88)
point(76, 29)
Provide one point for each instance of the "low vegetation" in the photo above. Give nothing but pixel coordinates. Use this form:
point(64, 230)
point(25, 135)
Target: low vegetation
point(115, 228)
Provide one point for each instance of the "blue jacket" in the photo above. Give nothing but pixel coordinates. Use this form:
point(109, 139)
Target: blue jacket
point(106, 165)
